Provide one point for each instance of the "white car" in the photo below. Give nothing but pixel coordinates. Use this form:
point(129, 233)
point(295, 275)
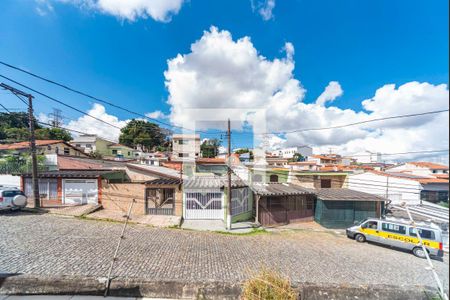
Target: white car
point(12, 198)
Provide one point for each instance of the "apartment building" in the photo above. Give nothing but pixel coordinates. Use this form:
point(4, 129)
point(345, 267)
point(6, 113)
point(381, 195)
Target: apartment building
point(185, 147)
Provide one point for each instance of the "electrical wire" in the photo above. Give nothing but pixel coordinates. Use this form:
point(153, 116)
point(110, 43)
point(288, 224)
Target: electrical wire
point(96, 98)
point(156, 120)
point(5, 108)
point(358, 123)
point(60, 102)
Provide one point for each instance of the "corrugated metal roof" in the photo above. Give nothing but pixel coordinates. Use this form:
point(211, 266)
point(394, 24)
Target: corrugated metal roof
point(158, 170)
point(73, 174)
point(164, 181)
point(346, 195)
point(212, 182)
point(279, 189)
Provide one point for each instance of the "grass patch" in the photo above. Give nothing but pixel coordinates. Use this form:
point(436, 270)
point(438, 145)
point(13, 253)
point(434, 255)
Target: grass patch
point(254, 231)
point(268, 285)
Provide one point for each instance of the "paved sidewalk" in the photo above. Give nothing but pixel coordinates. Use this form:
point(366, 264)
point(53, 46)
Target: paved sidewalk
point(218, 226)
point(51, 245)
point(118, 216)
point(308, 226)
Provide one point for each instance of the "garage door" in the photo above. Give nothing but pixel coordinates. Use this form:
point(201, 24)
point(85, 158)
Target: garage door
point(80, 191)
point(204, 205)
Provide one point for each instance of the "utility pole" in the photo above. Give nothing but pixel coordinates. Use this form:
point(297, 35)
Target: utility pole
point(229, 177)
point(387, 187)
point(35, 180)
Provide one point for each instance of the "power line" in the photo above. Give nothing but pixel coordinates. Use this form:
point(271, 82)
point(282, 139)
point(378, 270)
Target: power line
point(60, 102)
point(65, 128)
point(4, 108)
point(96, 98)
point(174, 126)
point(402, 153)
point(360, 123)
point(73, 130)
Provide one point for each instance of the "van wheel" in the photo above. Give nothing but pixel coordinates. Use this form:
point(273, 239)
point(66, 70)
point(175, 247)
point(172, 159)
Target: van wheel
point(360, 238)
point(418, 251)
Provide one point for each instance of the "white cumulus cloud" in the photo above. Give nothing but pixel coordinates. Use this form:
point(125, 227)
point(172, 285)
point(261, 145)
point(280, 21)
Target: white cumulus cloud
point(264, 8)
point(157, 114)
point(158, 10)
point(331, 92)
point(90, 125)
point(222, 73)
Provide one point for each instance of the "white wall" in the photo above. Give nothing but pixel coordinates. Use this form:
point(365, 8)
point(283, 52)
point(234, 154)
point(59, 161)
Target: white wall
point(400, 190)
point(368, 157)
point(290, 152)
point(10, 180)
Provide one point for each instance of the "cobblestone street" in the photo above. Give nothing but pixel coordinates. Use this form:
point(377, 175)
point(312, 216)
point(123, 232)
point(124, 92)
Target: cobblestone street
point(52, 245)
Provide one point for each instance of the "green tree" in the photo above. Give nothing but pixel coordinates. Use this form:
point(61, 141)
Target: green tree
point(53, 134)
point(297, 157)
point(16, 134)
point(17, 163)
point(210, 148)
point(139, 133)
point(244, 150)
point(14, 128)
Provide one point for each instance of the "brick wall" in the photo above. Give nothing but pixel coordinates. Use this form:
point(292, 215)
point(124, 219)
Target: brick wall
point(118, 197)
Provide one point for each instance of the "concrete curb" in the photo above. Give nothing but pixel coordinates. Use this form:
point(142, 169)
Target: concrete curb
point(17, 284)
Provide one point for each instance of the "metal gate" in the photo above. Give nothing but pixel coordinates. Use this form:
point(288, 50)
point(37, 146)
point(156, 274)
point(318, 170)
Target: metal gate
point(204, 205)
point(160, 201)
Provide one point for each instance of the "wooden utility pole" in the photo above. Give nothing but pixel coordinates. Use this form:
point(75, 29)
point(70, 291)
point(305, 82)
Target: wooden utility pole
point(229, 177)
point(387, 187)
point(34, 172)
point(37, 202)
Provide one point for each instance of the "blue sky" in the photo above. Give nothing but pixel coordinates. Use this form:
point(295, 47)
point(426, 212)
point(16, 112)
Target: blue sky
point(363, 45)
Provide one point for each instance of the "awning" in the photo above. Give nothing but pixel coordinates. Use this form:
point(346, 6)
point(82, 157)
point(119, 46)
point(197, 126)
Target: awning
point(338, 194)
point(279, 189)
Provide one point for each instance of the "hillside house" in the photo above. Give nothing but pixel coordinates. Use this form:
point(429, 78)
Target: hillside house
point(91, 143)
point(44, 147)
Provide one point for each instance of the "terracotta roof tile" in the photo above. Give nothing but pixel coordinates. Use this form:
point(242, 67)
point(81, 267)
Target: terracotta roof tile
point(66, 163)
point(429, 165)
point(25, 145)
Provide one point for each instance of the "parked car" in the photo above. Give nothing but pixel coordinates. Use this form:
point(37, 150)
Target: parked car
point(399, 235)
point(12, 198)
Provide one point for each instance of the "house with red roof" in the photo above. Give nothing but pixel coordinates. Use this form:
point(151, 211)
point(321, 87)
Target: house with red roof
point(421, 169)
point(45, 147)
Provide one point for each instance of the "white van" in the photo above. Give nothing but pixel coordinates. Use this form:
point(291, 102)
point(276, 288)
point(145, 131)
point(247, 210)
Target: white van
point(400, 235)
